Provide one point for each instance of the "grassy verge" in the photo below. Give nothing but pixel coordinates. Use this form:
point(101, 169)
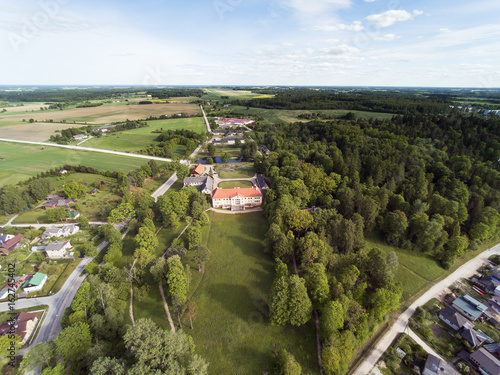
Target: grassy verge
point(233, 184)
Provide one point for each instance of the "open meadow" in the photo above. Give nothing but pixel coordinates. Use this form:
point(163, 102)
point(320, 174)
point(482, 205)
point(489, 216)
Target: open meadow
point(105, 114)
point(231, 328)
point(18, 162)
point(35, 132)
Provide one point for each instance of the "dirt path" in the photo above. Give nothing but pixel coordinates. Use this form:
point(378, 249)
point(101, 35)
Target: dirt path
point(466, 270)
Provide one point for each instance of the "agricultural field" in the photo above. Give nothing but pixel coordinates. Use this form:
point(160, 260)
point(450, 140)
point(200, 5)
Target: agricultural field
point(35, 132)
point(231, 329)
point(283, 115)
point(106, 114)
point(18, 162)
point(216, 94)
point(136, 139)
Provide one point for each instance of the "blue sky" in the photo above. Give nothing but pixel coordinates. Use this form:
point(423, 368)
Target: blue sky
point(441, 43)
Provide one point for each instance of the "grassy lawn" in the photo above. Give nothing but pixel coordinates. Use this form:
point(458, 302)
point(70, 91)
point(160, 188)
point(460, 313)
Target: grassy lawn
point(231, 329)
point(196, 124)
point(233, 184)
point(68, 270)
point(236, 170)
point(18, 162)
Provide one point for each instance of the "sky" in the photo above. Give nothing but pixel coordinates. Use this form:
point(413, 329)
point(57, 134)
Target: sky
point(425, 43)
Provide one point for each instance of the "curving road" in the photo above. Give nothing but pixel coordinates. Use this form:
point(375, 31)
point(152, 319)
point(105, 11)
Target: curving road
point(466, 270)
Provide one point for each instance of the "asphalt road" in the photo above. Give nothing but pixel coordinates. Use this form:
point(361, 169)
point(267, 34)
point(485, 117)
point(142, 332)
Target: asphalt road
point(466, 270)
point(163, 188)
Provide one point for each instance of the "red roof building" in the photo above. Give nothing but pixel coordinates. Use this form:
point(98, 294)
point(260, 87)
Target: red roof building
point(237, 199)
point(198, 170)
point(11, 244)
point(24, 326)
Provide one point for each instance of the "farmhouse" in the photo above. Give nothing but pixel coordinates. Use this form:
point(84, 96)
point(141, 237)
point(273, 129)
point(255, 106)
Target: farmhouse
point(206, 183)
point(58, 249)
point(56, 201)
point(35, 283)
point(198, 170)
point(469, 307)
point(237, 199)
point(11, 244)
point(5, 237)
point(486, 362)
point(24, 326)
point(453, 319)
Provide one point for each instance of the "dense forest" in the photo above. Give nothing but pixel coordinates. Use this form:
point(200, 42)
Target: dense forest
point(428, 184)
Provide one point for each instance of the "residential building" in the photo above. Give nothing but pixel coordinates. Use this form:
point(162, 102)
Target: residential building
point(237, 199)
point(261, 182)
point(56, 201)
point(453, 319)
point(11, 244)
point(436, 366)
point(206, 183)
point(5, 237)
point(198, 170)
point(487, 363)
point(473, 337)
point(489, 283)
point(65, 231)
point(35, 283)
point(469, 307)
point(24, 326)
point(58, 249)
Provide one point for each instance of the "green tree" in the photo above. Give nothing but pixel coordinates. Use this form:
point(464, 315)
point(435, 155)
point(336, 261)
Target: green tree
point(332, 319)
point(176, 279)
point(74, 341)
point(279, 312)
point(201, 256)
point(74, 190)
point(56, 214)
point(83, 221)
point(299, 221)
point(40, 188)
point(108, 366)
point(193, 234)
point(42, 354)
point(90, 250)
point(83, 298)
point(299, 304)
point(287, 364)
point(317, 284)
point(57, 370)
point(146, 238)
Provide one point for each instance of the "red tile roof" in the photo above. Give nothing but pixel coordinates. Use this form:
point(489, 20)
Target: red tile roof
point(234, 192)
point(199, 169)
point(12, 241)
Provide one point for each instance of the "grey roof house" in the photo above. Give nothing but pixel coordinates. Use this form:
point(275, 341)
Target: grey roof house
point(487, 363)
point(453, 319)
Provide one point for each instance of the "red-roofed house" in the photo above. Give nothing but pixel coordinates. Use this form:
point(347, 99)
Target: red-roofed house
point(237, 198)
point(198, 170)
point(11, 244)
point(24, 326)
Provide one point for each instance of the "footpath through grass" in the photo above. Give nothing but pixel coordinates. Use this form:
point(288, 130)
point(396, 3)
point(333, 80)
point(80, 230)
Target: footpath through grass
point(232, 329)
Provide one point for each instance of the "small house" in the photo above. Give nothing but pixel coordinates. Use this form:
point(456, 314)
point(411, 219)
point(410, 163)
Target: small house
point(58, 249)
point(35, 283)
point(11, 244)
point(24, 325)
point(487, 363)
point(437, 366)
point(469, 307)
point(453, 319)
point(198, 170)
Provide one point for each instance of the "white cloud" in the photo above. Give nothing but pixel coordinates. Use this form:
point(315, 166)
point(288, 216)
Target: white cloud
point(390, 17)
point(386, 37)
point(368, 1)
point(315, 7)
point(355, 26)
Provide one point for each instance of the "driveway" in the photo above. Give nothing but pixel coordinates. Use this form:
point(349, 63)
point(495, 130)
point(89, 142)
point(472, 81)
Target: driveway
point(466, 270)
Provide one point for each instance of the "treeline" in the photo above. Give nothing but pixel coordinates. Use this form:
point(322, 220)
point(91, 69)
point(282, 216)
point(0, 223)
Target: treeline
point(361, 100)
point(89, 104)
point(172, 93)
point(370, 177)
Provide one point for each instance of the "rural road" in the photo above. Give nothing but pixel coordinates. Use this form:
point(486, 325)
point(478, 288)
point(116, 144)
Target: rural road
point(206, 120)
point(163, 188)
point(466, 270)
point(147, 157)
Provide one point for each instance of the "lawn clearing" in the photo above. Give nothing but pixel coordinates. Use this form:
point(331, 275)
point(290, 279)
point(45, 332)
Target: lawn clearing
point(235, 170)
point(233, 184)
point(232, 330)
point(18, 162)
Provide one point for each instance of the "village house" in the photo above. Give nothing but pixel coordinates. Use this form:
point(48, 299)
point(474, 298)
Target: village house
point(487, 363)
point(65, 231)
point(473, 337)
point(35, 283)
point(206, 183)
point(453, 319)
point(24, 326)
point(469, 307)
point(5, 237)
point(490, 284)
point(58, 249)
point(10, 245)
point(198, 170)
point(56, 201)
point(436, 366)
point(237, 199)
